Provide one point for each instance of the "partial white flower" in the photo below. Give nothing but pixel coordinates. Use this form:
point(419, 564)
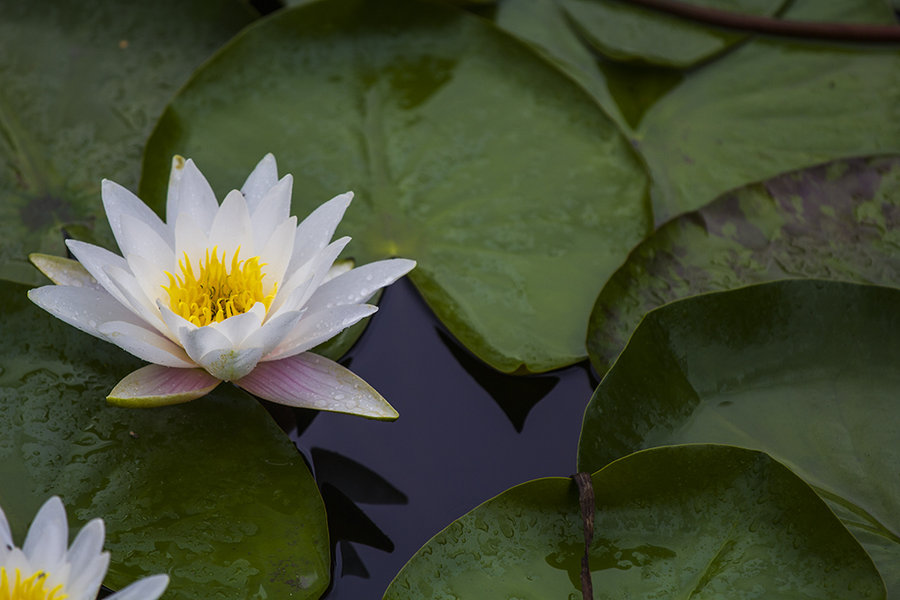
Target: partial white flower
point(43, 569)
point(233, 292)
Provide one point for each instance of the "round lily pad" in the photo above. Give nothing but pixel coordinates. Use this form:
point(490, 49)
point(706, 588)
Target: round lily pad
point(80, 88)
point(211, 492)
point(698, 521)
point(808, 371)
point(467, 153)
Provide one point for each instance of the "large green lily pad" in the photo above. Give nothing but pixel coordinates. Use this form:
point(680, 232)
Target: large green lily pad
point(835, 221)
point(769, 106)
point(512, 190)
point(808, 371)
point(211, 492)
point(676, 522)
point(80, 88)
point(627, 32)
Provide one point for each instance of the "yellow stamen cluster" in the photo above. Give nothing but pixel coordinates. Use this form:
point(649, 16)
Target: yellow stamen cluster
point(218, 291)
point(31, 588)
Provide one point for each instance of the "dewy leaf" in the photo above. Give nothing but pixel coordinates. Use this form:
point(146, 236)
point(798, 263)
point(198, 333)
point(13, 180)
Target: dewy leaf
point(628, 32)
point(698, 521)
point(211, 492)
point(835, 221)
point(80, 87)
point(769, 106)
point(808, 371)
point(466, 153)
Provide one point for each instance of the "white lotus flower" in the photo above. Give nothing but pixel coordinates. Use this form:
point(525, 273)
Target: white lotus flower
point(237, 292)
point(43, 569)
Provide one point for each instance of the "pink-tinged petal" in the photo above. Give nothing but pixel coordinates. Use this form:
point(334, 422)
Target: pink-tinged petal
point(96, 260)
point(196, 197)
point(339, 268)
point(174, 194)
point(238, 327)
point(117, 201)
point(276, 253)
point(273, 331)
point(317, 229)
point(311, 381)
point(149, 588)
point(315, 270)
point(145, 344)
point(45, 544)
point(230, 364)
point(155, 385)
point(263, 177)
point(63, 271)
point(231, 227)
point(273, 209)
point(141, 240)
point(84, 308)
point(360, 284)
point(320, 326)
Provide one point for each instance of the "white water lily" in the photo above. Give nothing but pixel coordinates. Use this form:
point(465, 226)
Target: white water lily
point(237, 292)
point(44, 569)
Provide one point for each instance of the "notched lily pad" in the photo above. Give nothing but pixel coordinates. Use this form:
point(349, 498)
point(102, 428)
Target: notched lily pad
point(466, 153)
point(808, 371)
point(79, 90)
point(698, 521)
point(835, 221)
point(211, 492)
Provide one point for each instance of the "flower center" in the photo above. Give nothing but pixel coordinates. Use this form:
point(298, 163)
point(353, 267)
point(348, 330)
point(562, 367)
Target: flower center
point(218, 290)
point(28, 589)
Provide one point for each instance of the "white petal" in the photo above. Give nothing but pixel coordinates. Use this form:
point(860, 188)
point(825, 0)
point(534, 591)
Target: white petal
point(84, 308)
point(238, 327)
point(312, 381)
point(86, 559)
point(190, 240)
point(151, 279)
point(317, 229)
point(145, 344)
point(149, 588)
point(154, 385)
point(141, 240)
point(196, 197)
point(320, 326)
point(96, 260)
point(316, 270)
point(263, 177)
point(339, 268)
point(133, 294)
point(273, 209)
point(174, 193)
point(272, 332)
point(117, 201)
point(360, 284)
point(276, 253)
point(230, 364)
point(45, 544)
point(231, 227)
point(200, 341)
point(6, 541)
point(63, 271)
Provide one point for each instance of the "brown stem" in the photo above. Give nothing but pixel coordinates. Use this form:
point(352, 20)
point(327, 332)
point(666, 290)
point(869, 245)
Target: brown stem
point(843, 32)
point(586, 501)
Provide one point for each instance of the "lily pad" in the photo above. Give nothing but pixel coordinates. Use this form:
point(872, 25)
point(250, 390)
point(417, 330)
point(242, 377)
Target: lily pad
point(769, 106)
point(808, 371)
point(676, 522)
point(835, 221)
point(626, 32)
point(501, 177)
point(211, 492)
point(80, 89)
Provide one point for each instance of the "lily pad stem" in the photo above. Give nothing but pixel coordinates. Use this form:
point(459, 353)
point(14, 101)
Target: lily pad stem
point(586, 501)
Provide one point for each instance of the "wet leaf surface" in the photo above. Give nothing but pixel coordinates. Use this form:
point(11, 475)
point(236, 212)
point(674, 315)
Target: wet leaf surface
point(808, 371)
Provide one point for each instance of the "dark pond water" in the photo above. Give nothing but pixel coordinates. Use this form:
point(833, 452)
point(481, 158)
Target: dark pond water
point(465, 434)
